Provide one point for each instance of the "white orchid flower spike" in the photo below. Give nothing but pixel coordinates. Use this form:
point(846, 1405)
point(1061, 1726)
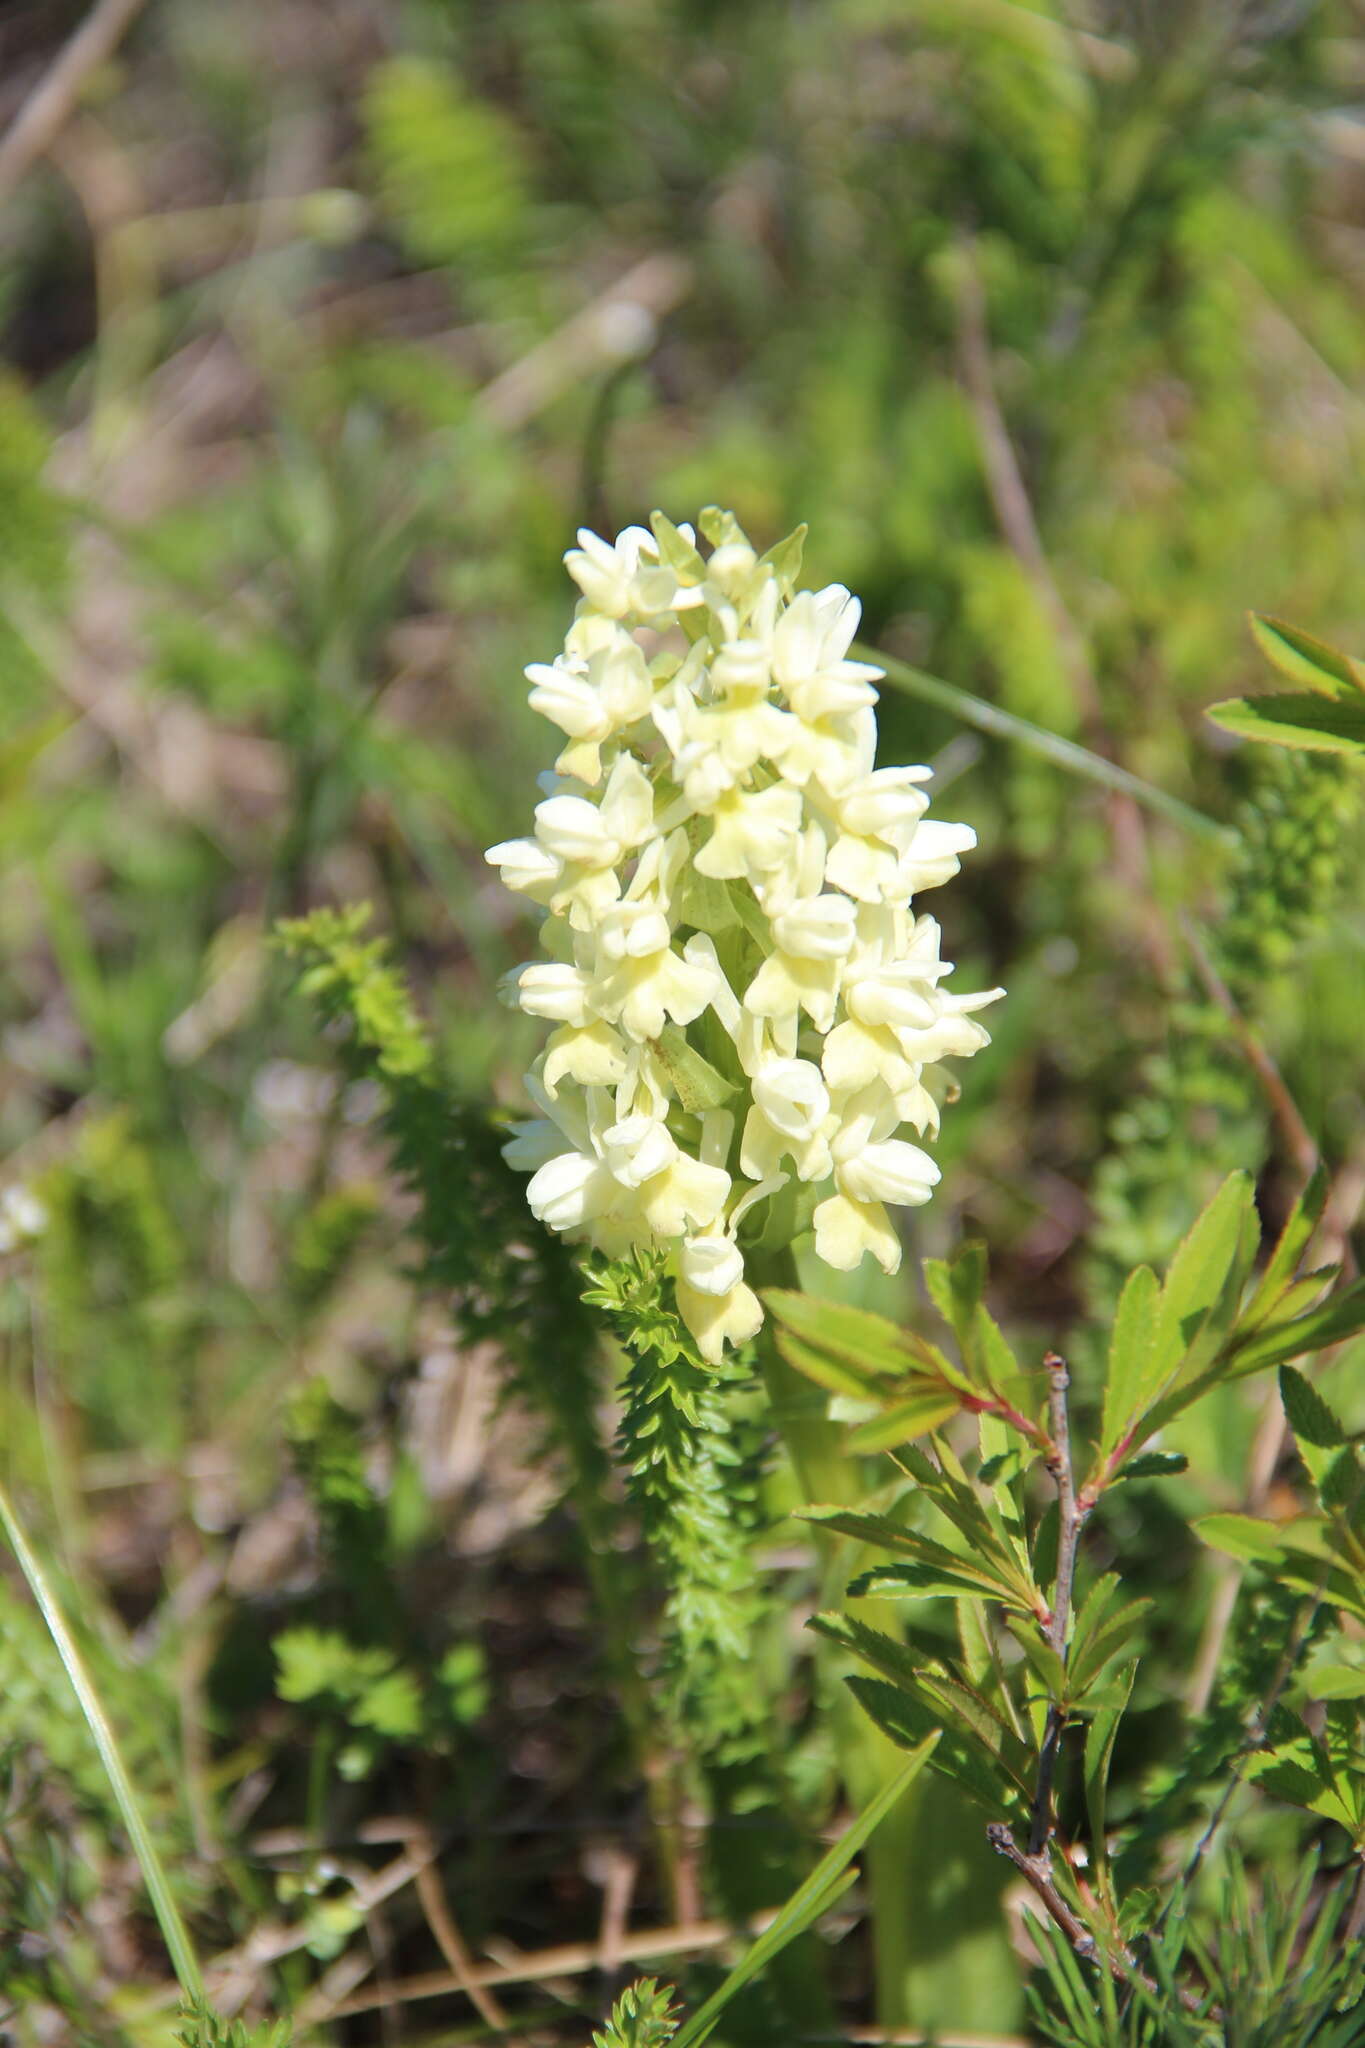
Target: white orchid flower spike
point(746, 1005)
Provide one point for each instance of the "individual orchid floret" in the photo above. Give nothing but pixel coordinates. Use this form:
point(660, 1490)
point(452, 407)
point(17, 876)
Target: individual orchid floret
point(748, 1012)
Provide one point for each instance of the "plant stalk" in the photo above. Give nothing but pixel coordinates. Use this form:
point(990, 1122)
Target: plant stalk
point(173, 1928)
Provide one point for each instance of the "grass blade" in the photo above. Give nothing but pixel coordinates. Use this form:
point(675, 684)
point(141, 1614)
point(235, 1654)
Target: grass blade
point(173, 1928)
point(1077, 760)
point(830, 1877)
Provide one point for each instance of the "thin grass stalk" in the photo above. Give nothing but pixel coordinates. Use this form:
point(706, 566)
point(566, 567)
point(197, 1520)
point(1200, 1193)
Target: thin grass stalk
point(173, 1928)
point(1063, 753)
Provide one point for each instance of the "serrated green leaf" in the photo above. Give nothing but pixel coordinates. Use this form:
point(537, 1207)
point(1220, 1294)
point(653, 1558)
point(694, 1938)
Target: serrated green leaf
point(952, 1494)
point(1299, 1295)
point(1339, 1485)
point(999, 1579)
point(927, 1582)
point(895, 1660)
point(957, 1288)
point(1303, 659)
point(1200, 1301)
point(909, 1721)
point(1202, 1268)
point(1341, 1316)
point(828, 1371)
point(1132, 1379)
point(1300, 1773)
point(1288, 720)
point(967, 1711)
point(1154, 1465)
point(1092, 1611)
point(1104, 1644)
point(1041, 1658)
point(1290, 1246)
point(867, 1345)
point(901, 1423)
point(1307, 1414)
point(960, 1756)
point(977, 1646)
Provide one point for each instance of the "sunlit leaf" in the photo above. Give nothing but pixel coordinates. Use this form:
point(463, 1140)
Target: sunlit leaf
point(1134, 1363)
point(1287, 720)
point(1303, 659)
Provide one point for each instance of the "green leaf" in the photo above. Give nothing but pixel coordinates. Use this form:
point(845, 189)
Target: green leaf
point(948, 1489)
point(866, 1345)
point(1303, 659)
point(707, 903)
point(448, 164)
point(957, 1287)
point(392, 1706)
point(1257, 1542)
point(676, 552)
point(1293, 1241)
point(1286, 720)
point(1132, 1379)
point(1300, 1294)
point(1200, 1300)
point(1041, 1659)
point(1000, 1580)
point(977, 1766)
point(1330, 1323)
point(965, 1709)
point(1206, 1263)
point(1339, 1484)
point(1100, 1737)
point(1334, 1682)
point(1104, 1644)
point(905, 1420)
point(642, 2017)
point(693, 1079)
point(1307, 1414)
point(827, 1882)
point(927, 1582)
point(1154, 1465)
point(785, 558)
point(895, 1660)
point(828, 1371)
point(1092, 1610)
point(1296, 1767)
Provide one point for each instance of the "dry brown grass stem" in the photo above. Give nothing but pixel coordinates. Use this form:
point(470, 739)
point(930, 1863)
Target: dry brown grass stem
point(572, 1959)
point(48, 107)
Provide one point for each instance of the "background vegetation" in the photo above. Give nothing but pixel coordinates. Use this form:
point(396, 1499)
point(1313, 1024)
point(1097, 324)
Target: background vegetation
point(326, 321)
